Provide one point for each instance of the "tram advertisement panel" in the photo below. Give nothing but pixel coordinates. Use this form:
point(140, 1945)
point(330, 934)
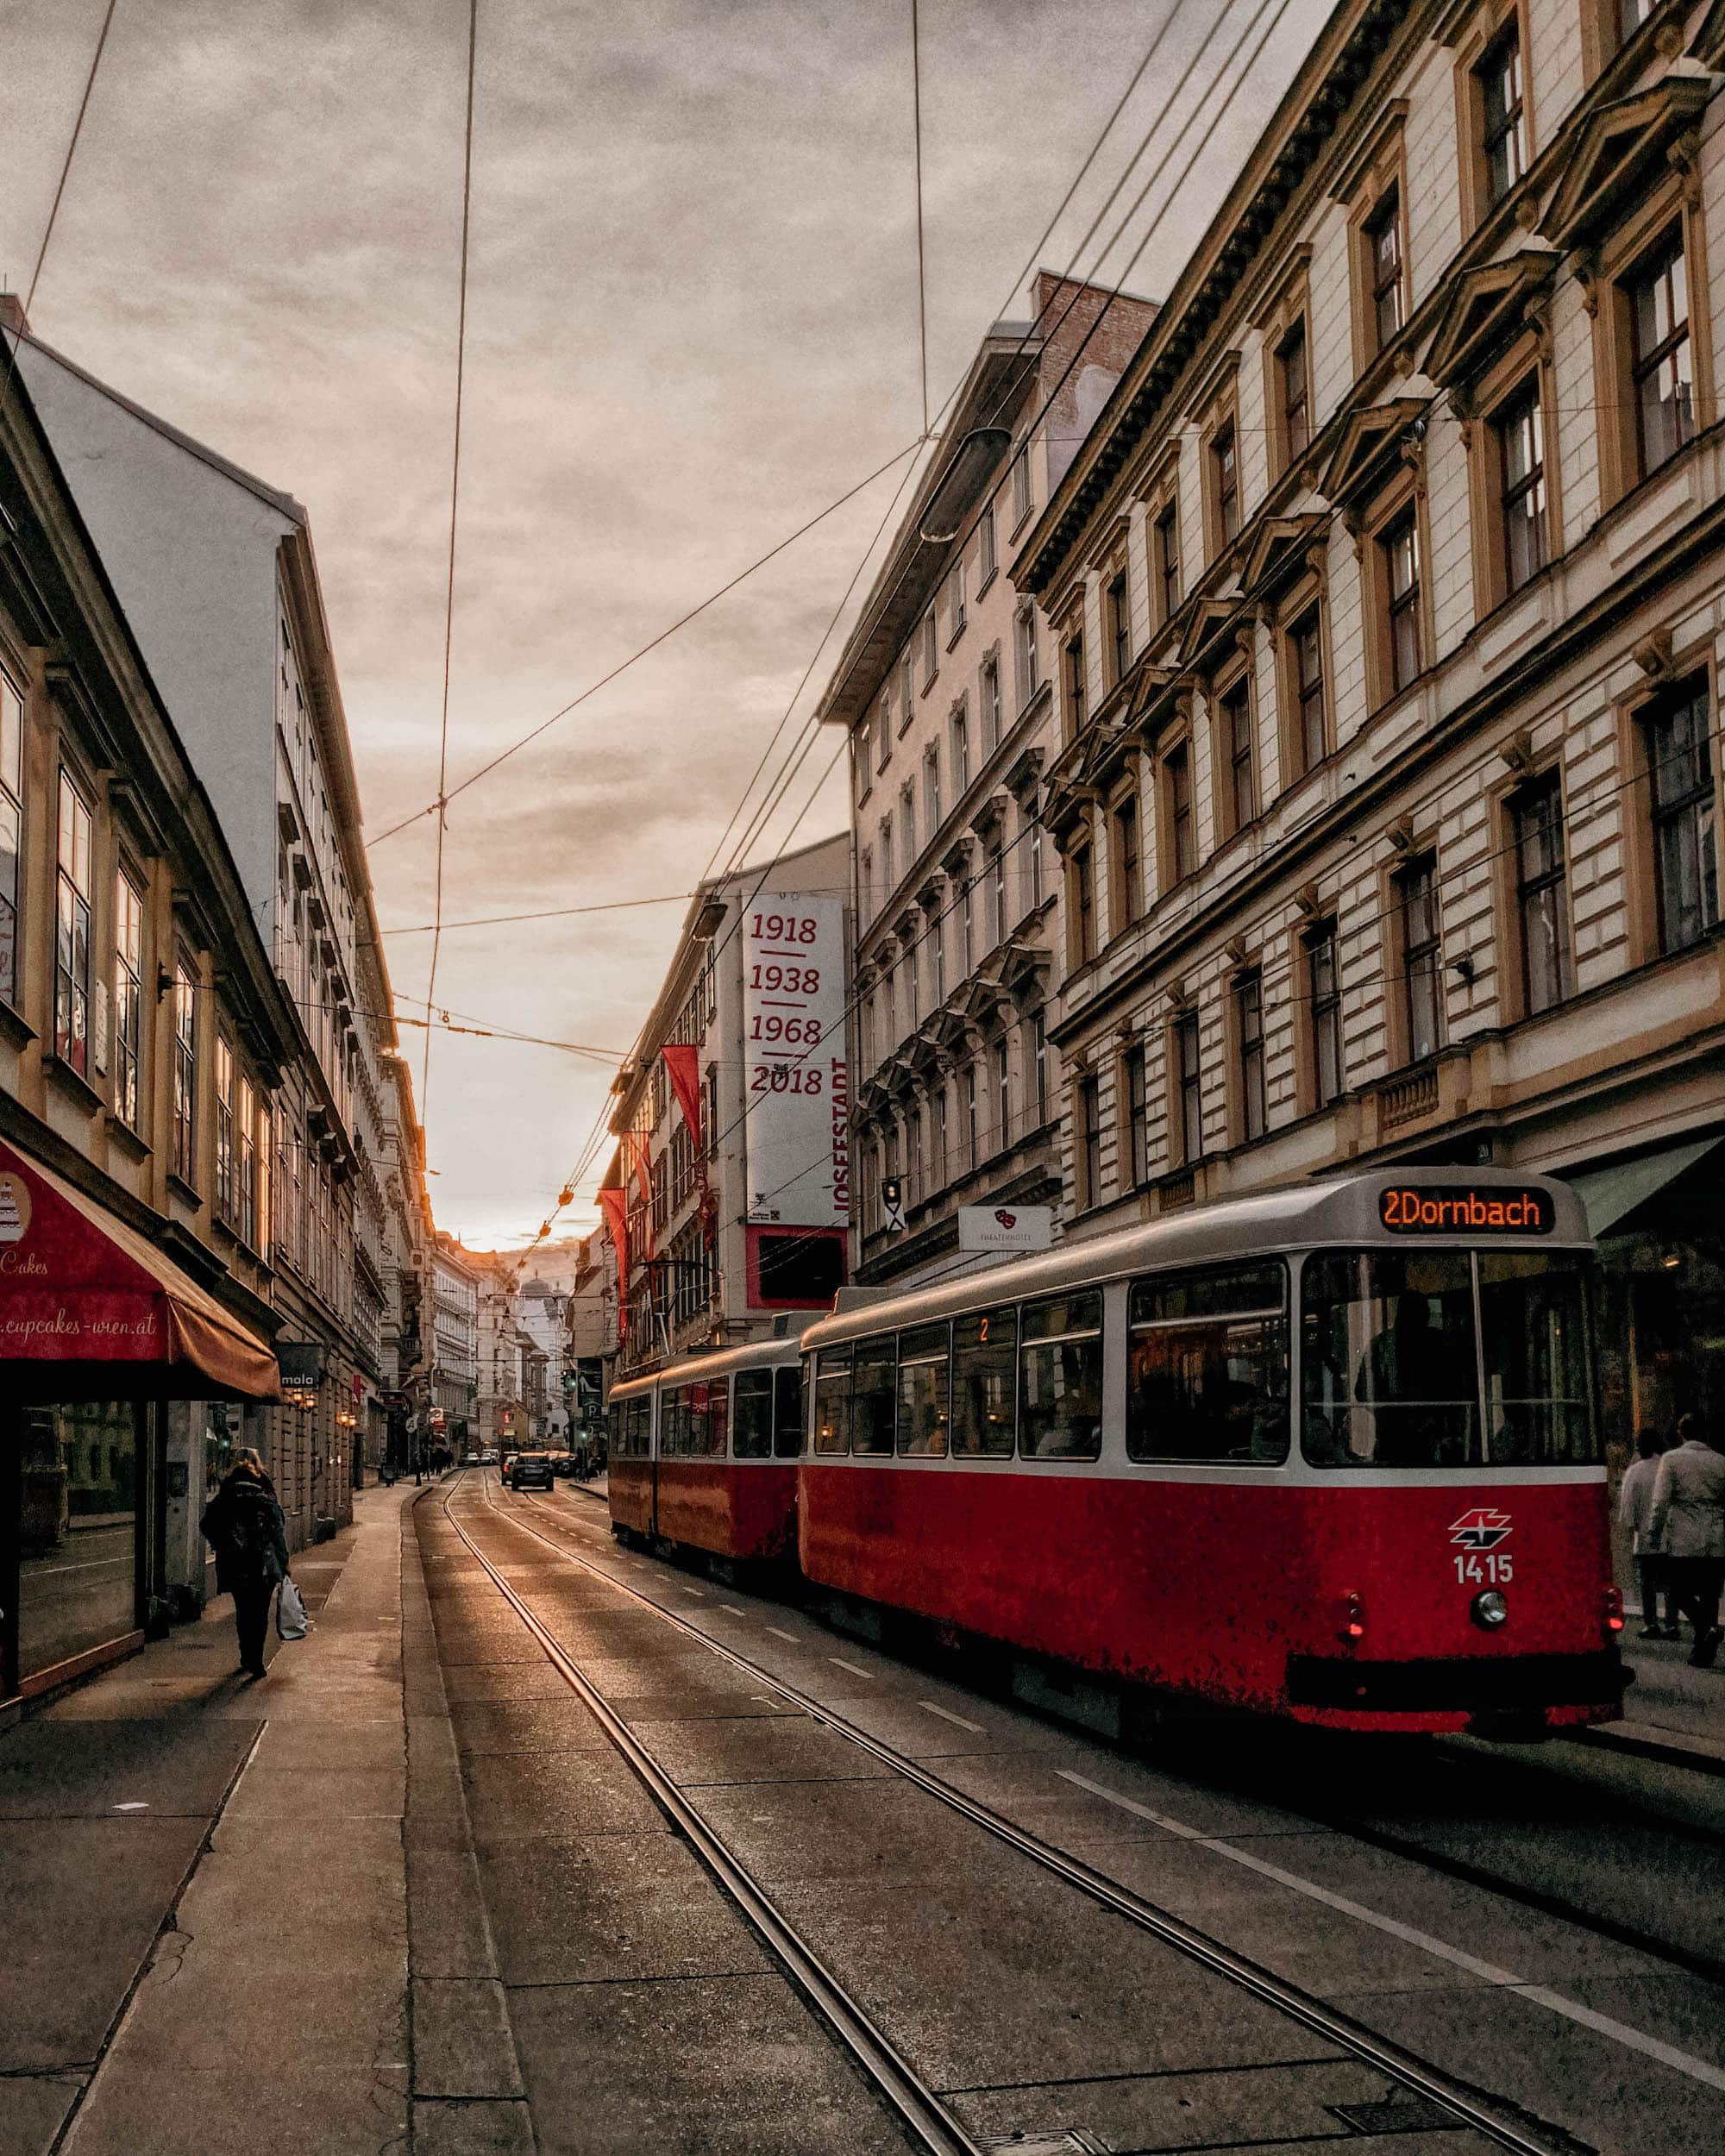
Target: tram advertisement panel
point(797, 1106)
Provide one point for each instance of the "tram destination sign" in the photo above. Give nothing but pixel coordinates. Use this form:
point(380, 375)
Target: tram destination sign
point(1466, 1209)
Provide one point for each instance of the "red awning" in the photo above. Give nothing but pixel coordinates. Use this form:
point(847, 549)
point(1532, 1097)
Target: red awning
point(89, 1308)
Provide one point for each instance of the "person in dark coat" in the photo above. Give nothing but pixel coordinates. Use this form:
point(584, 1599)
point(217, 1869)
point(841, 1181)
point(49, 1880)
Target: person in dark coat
point(243, 1524)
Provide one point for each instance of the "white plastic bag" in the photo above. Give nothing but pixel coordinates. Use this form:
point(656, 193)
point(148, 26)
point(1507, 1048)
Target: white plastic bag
point(291, 1621)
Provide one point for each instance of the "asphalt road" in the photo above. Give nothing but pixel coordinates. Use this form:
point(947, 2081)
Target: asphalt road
point(1544, 1933)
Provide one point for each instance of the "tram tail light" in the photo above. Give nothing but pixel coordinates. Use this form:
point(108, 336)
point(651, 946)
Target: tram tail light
point(1613, 1609)
point(1353, 1617)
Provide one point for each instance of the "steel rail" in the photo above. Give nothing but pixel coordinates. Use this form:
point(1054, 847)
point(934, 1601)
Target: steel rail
point(1415, 2074)
point(930, 2124)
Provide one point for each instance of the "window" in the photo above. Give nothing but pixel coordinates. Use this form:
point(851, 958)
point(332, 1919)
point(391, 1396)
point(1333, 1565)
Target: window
point(888, 877)
point(955, 599)
point(1503, 116)
point(1241, 794)
point(1395, 1367)
point(71, 935)
point(1306, 652)
point(924, 1378)
point(997, 856)
point(266, 1172)
point(1206, 1365)
point(931, 791)
point(832, 1400)
point(915, 1173)
point(226, 1185)
point(1323, 990)
point(935, 936)
point(874, 1397)
point(1541, 898)
point(967, 926)
point(986, 558)
point(1225, 484)
point(1000, 1071)
point(931, 648)
point(1060, 1378)
point(1128, 884)
point(883, 731)
point(1166, 547)
point(1520, 432)
point(1294, 393)
point(1138, 1115)
point(751, 1425)
point(866, 877)
point(1681, 789)
point(1249, 1049)
point(1086, 1118)
point(788, 1412)
point(1030, 831)
point(1631, 15)
point(989, 705)
point(1039, 1065)
point(961, 753)
point(1383, 255)
point(907, 692)
point(1083, 906)
point(1120, 625)
point(1027, 660)
point(984, 1385)
point(1416, 896)
point(1664, 389)
point(1189, 1088)
point(1073, 654)
point(969, 1085)
point(128, 998)
point(184, 1160)
point(941, 1158)
point(11, 830)
point(1176, 771)
point(246, 1161)
point(1399, 552)
point(907, 824)
point(1019, 482)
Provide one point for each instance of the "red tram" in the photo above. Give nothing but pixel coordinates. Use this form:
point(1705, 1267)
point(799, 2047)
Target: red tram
point(704, 1454)
point(1328, 1453)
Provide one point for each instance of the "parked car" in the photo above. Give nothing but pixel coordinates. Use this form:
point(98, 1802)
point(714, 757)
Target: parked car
point(488, 1457)
point(530, 1471)
point(472, 1458)
point(562, 1463)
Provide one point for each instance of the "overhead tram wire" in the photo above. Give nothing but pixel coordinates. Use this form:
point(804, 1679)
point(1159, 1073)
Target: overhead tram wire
point(623, 665)
point(450, 587)
point(59, 188)
point(921, 258)
point(595, 1143)
point(683, 621)
point(549, 914)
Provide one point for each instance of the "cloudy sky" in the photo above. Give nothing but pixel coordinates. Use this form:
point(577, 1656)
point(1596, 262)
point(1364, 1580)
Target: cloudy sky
point(692, 323)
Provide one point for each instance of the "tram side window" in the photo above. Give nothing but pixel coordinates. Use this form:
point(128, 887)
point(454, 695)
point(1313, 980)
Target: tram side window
point(788, 1412)
point(1207, 1366)
point(924, 1384)
point(985, 1364)
point(1389, 1361)
point(718, 1418)
point(1060, 1378)
point(832, 1400)
point(705, 1420)
point(875, 1395)
point(752, 1415)
point(671, 1423)
point(1539, 1402)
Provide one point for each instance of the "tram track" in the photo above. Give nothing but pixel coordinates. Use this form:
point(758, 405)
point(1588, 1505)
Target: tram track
point(1422, 2079)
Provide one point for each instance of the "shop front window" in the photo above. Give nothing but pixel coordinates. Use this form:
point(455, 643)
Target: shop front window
point(76, 1530)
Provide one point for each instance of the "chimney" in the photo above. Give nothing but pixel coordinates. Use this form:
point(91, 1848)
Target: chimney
point(13, 319)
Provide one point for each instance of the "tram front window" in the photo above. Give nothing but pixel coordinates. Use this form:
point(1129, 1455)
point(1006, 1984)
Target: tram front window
point(1393, 1368)
point(1389, 1361)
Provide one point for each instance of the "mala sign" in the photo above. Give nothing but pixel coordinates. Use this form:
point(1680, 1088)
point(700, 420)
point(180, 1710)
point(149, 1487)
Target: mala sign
point(797, 1102)
point(1004, 1227)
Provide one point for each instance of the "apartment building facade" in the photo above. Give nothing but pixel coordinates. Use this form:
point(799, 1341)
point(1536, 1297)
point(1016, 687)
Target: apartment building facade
point(216, 572)
point(451, 1415)
point(727, 1203)
point(1395, 837)
point(946, 686)
point(142, 1034)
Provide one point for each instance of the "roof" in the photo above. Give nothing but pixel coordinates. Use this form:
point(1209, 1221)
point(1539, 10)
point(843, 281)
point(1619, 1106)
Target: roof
point(759, 1355)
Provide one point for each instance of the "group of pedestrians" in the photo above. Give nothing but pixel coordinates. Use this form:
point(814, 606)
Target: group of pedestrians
point(1672, 1504)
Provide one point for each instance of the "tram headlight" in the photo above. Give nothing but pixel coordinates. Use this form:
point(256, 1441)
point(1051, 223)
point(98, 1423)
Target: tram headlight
point(1489, 1609)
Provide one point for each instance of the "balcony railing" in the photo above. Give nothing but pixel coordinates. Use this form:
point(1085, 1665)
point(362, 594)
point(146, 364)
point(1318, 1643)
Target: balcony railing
point(1407, 1097)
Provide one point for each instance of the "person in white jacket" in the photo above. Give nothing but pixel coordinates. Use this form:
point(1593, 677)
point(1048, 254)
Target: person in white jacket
point(1688, 1522)
point(1634, 1516)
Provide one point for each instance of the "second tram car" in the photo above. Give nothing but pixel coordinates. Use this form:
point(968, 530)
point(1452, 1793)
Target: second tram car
point(1328, 1453)
point(703, 1453)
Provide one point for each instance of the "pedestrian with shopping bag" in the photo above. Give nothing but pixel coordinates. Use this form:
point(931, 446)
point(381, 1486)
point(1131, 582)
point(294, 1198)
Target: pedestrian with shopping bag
point(243, 1524)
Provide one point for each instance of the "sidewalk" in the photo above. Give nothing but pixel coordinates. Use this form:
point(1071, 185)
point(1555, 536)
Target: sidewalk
point(1671, 1712)
point(205, 1896)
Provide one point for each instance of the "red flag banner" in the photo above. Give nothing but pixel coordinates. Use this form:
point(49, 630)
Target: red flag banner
point(683, 1062)
point(641, 1153)
point(614, 1204)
